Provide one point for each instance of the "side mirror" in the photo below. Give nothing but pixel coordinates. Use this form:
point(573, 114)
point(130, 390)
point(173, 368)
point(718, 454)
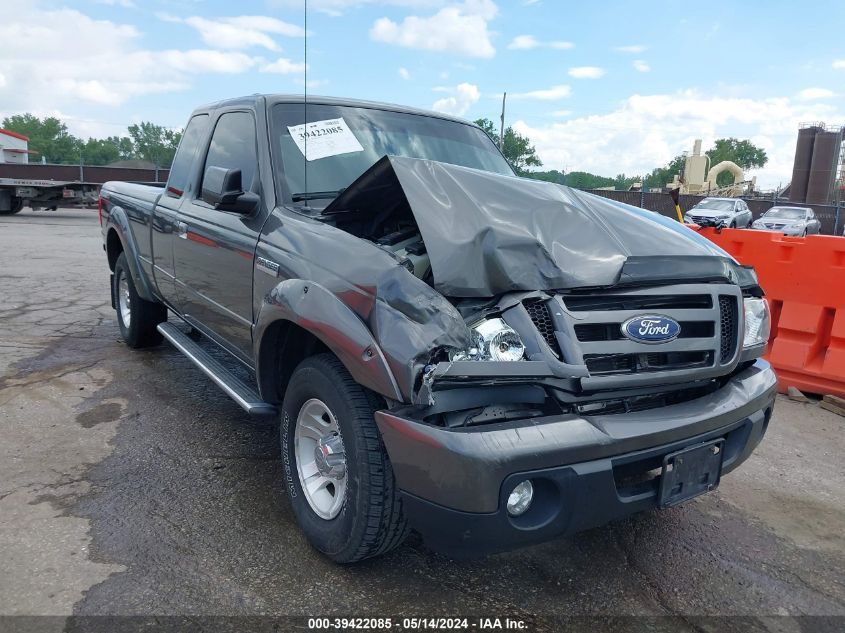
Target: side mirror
point(222, 189)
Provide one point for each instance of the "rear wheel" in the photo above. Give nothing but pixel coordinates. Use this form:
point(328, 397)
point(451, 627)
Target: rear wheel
point(136, 317)
point(337, 473)
point(17, 206)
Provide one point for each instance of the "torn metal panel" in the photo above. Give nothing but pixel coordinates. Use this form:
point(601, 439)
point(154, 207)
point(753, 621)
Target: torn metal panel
point(488, 234)
point(409, 320)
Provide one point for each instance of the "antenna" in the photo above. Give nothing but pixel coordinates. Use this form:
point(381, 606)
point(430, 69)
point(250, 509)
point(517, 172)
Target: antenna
point(502, 123)
point(305, 92)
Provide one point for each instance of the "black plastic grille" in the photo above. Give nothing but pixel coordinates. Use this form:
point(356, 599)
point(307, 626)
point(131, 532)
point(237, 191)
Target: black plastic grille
point(729, 325)
point(655, 361)
point(542, 319)
point(580, 303)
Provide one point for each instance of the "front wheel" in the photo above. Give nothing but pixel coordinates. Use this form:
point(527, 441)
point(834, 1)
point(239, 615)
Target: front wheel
point(136, 317)
point(337, 473)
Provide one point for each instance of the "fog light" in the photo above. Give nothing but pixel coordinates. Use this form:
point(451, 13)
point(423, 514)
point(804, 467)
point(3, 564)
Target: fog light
point(520, 498)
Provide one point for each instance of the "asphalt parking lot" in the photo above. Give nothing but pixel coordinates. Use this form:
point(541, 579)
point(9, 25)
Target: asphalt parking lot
point(130, 485)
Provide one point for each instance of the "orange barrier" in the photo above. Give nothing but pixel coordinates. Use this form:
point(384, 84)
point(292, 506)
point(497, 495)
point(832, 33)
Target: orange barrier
point(804, 281)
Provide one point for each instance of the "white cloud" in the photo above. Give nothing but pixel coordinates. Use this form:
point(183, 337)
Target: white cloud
point(461, 100)
point(56, 58)
point(648, 131)
point(586, 72)
point(811, 94)
point(839, 64)
point(523, 42)
point(284, 66)
point(641, 66)
point(459, 29)
point(528, 42)
point(548, 94)
point(404, 74)
point(632, 48)
point(339, 7)
point(239, 32)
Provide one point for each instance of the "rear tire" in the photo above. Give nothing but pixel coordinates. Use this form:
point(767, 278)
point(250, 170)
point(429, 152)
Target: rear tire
point(17, 206)
point(323, 400)
point(136, 317)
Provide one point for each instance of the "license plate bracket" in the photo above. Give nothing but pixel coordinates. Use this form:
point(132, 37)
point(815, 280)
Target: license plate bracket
point(690, 472)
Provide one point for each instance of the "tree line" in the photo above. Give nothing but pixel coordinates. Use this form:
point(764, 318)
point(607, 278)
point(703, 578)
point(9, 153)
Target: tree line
point(49, 137)
point(523, 156)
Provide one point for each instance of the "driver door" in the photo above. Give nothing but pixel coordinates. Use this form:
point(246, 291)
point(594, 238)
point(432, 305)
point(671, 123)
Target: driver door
point(215, 252)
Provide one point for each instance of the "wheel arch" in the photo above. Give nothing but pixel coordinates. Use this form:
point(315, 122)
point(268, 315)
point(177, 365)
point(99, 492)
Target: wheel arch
point(119, 239)
point(299, 318)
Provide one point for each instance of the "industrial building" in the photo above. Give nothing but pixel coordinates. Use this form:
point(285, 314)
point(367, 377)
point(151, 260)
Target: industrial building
point(818, 172)
point(14, 147)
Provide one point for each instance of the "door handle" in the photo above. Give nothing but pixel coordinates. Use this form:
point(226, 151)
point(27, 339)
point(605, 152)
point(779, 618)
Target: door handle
point(182, 230)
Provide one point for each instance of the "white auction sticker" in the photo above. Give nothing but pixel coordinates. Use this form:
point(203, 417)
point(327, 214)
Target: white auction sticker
point(324, 138)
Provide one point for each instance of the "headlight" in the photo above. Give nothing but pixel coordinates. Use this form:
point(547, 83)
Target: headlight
point(756, 322)
point(493, 339)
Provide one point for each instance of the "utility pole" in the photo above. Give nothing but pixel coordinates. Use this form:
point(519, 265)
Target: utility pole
point(502, 124)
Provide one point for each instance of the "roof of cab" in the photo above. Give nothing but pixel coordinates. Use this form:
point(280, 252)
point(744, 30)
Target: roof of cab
point(273, 99)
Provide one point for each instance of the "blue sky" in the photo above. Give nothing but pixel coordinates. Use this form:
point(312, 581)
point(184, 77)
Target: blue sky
point(607, 87)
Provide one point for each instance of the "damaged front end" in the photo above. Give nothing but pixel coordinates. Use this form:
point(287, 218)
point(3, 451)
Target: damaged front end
point(542, 278)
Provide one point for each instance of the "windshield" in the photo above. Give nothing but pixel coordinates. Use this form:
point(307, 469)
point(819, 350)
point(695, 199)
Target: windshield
point(717, 205)
point(343, 142)
point(785, 213)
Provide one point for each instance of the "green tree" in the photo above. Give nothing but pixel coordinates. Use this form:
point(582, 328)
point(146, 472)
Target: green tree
point(155, 143)
point(516, 148)
point(103, 151)
point(743, 153)
point(557, 177)
point(48, 136)
point(659, 177)
point(586, 180)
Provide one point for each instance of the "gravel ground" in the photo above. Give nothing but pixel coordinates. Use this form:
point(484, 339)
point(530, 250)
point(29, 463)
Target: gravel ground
point(131, 486)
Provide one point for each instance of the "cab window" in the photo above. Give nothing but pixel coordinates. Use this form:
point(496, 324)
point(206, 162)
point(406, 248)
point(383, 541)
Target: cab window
point(181, 167)
point(233, 146)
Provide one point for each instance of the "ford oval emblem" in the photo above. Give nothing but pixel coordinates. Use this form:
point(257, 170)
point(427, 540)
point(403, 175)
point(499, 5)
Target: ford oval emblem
point(651, 328)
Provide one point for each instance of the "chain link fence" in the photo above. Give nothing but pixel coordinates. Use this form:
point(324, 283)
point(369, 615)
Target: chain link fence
point(831, 217)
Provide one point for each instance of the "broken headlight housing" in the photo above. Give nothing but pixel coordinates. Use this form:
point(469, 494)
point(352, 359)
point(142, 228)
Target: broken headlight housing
point(757, 325)
point(493, 339)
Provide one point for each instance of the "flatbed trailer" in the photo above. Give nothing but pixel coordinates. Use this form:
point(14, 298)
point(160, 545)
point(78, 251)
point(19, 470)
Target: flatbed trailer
point(17, 193)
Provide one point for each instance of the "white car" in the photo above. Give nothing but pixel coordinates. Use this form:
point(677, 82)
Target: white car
point(789, 221)
point(729, 212)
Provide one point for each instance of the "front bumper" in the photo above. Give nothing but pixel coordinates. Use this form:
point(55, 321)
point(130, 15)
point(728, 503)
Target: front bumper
point(455, 482)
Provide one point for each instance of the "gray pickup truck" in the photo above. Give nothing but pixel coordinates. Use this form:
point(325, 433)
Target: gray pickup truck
point(490, 360)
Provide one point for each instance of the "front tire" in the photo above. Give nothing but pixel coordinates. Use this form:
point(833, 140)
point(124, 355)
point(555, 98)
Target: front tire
point(136, 317)
point(337, 472)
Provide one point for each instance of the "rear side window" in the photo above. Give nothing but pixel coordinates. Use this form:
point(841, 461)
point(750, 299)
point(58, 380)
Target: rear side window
point(181, 167)
point(233, 146)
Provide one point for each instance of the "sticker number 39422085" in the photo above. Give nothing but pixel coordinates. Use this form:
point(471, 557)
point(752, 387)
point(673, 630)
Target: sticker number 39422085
point(320, 139)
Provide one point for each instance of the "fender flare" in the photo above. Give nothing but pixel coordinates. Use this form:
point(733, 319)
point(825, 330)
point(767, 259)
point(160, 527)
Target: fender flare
point(118, 221)
point(318, 311)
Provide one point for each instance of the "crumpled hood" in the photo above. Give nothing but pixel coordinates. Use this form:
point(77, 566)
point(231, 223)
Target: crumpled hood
point(487, 234)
